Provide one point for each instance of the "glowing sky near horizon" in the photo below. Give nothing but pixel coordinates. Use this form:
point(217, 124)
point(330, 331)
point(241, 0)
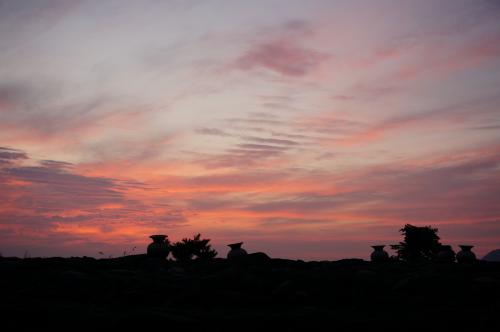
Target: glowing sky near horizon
point(306, 129)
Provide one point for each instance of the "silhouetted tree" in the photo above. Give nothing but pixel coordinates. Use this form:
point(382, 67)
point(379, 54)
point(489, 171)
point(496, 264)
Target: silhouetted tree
point(202, 249)
point(182, 250)
point(420, 243)
point(197, 247)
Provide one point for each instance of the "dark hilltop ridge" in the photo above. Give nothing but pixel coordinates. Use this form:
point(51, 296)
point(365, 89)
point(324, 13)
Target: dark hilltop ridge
point(249, 291)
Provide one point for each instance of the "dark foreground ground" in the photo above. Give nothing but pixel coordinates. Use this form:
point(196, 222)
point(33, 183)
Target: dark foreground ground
point(138, 293)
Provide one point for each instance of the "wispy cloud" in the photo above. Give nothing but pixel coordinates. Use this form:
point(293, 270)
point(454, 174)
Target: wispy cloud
point(276, 141)
point(212, 132)
point(319, 123)
point(282, 57)
point(51, 198)
point(8, 155)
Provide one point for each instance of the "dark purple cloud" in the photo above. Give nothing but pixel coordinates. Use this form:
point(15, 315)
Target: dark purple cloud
point(276, 141)
point(55, 164)
point(52, 188)
point(8, 155)
point(462, 191)
point(466, 190)
point(263, 142)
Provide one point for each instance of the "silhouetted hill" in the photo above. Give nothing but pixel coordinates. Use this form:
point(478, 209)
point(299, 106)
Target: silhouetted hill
point(138, 293)
point(492, 256)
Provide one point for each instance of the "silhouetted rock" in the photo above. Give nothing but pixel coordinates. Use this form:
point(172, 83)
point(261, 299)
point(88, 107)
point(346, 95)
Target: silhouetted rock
point(492, 256)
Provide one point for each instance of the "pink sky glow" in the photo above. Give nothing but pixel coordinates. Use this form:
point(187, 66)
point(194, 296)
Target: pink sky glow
point(306, 129)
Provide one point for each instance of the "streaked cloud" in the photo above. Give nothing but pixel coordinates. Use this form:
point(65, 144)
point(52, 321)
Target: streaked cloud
point(324, 124)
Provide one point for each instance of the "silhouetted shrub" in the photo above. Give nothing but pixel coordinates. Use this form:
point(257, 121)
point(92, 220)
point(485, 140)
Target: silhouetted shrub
point(182, 250)
point(186, 249)
point(420, 243)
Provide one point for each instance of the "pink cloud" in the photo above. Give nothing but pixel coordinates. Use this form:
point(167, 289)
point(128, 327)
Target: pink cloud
point(281, 56)
point(51, 201)
point(347, 132)
point(448, 59)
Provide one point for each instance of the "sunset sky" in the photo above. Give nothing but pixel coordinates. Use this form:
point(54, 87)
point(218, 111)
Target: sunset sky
point(306, 129)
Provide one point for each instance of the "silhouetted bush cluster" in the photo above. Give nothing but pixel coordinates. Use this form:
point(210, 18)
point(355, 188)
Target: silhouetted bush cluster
point(186, 249)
